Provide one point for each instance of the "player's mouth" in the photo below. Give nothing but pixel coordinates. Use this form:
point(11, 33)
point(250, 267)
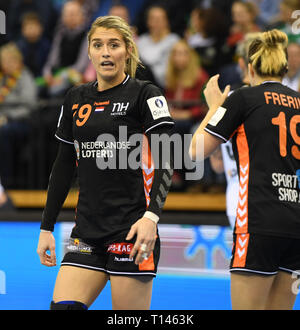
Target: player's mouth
point(107, 64)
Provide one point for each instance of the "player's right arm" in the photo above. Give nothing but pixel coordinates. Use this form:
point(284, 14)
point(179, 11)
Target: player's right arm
point(46, 243)
point(59, 185)
point(214, 98)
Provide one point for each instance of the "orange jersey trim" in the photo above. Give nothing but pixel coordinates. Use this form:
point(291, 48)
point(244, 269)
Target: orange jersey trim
point(148, 169)
point(241, 225)
point(241, 248)
point(147, 264)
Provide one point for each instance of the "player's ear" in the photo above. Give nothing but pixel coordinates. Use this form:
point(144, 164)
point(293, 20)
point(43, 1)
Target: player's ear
point(128, 53)
point(250, 70)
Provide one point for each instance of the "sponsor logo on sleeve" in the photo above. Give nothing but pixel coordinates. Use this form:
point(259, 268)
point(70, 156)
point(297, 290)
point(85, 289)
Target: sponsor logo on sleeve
point(158, 107)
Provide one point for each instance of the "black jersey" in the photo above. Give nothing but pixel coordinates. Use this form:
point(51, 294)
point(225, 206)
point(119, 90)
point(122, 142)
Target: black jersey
point(113, 194)
point(264, 123)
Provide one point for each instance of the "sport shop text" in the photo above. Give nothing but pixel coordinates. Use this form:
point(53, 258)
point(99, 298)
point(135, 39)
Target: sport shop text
point(134, 152)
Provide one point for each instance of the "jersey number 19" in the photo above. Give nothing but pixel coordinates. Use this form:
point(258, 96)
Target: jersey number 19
point(281, 121)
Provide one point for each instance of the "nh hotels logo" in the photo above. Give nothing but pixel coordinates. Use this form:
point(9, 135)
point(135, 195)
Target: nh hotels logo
point(2, 22)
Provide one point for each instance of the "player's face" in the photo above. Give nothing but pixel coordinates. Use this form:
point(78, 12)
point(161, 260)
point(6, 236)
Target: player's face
point(107, 51)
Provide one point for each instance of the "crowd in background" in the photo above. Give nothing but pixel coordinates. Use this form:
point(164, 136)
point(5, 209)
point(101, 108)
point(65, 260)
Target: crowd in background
point(181, 44)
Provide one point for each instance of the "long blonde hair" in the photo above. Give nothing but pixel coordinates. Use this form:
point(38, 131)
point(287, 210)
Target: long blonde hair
point(268, 54)
point(118, 24)
point(190, 74)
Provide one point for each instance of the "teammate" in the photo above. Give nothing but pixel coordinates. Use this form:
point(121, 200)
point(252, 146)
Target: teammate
point(263, 121)
point(222, 159)
point(115, 237)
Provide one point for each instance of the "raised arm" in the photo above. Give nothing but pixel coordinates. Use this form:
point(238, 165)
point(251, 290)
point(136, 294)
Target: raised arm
point(214, 98)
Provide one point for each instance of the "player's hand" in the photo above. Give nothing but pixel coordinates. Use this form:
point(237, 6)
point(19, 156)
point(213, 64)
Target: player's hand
point(146, 232)
point(213, 95)
point(47, 243)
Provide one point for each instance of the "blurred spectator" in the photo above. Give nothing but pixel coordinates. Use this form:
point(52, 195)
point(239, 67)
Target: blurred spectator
point(178, 10)
point(18, 94)
point(292, 78)
point(244, 16)
point(68, 56)
point(121, 11)
point(89, 7)
point(34, 47)
point(185, 81)
point(285, 21)
point(222, 5)
point(210, 39)
point(193, 33)
point(133, 7)
point(268, 11)
point(154, 47)
point(234, 73)
point(18, 8)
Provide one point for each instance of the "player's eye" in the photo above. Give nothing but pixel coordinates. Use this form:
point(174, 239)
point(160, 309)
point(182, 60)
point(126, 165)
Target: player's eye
point(97, 45)
point(114, 45)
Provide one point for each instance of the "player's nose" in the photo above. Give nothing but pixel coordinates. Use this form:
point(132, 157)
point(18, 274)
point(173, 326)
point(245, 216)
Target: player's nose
point(105, 52)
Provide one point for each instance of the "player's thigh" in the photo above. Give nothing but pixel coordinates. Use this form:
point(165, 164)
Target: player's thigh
point(250, 291)
point(131, 292)
point(284, 291)
point(285, 287)
point(79, 284)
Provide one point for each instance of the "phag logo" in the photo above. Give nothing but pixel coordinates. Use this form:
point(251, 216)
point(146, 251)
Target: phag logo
point(2, 282)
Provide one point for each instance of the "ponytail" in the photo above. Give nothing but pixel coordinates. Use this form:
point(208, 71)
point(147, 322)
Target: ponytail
point(268, 54)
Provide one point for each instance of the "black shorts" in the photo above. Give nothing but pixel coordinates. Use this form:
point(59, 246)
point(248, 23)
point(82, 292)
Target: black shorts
point(264, 254)
point(111, 258)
